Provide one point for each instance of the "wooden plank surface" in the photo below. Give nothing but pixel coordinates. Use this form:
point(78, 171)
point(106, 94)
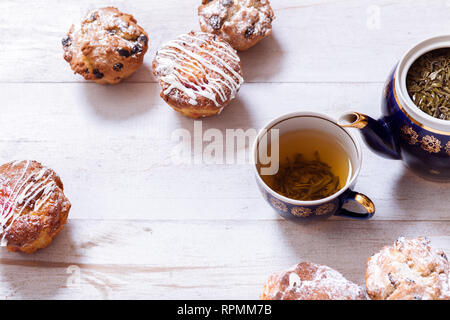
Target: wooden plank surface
point(101, 139)
point(201, 259)
point(313, 40)
point(142, 226)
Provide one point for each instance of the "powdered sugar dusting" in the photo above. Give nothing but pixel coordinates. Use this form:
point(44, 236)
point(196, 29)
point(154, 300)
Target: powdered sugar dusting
point(237, 21)
point(331, 283)
point(410, 269)
point(308, 281)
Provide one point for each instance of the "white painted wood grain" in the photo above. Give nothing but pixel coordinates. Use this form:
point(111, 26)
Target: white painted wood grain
point(143, 227)
point(200, 259)
point(313, 40)
point(112, 146)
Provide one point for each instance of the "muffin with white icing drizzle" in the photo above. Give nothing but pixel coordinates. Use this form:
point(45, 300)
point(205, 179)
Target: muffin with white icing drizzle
point(410, 269)
point(107, 47)
point(199, 74)
point(33, 207)
point(309, 281)
point(242, 23)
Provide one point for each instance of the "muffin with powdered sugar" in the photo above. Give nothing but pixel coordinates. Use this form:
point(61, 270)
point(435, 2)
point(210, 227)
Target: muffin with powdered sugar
point(107, 47)
point(410, 269)
point(242, 23)
point(309, 281)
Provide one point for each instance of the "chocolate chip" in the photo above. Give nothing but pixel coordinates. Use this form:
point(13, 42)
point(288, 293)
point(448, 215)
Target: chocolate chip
point(86, 70)
point(94, 16)
point(399, 241)
point(442, 254)
point(391, 279)
point(124, 52)
point(136, 48)
point(112, 32)
point(143, 38)
point(227, 3)
point(214, 22)
point(118, 66)
point(98, 74)
point(66, 41)
point(249, 31)
point(30, 204)
point(417, 297)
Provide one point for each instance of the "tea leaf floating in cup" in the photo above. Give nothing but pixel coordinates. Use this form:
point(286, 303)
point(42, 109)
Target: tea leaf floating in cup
point(305, 180)
point(311, 165)
point(428, 83)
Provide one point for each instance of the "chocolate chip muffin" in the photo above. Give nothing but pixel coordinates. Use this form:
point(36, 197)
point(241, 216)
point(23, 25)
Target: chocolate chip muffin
point(242, 23)
point(33, 207)
point(199, 74)
point(107, 47)
point(309, 281)
point(408, 270)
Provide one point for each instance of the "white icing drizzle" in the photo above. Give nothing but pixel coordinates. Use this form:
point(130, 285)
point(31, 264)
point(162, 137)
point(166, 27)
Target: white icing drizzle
point(177, 60)
point(26, 189)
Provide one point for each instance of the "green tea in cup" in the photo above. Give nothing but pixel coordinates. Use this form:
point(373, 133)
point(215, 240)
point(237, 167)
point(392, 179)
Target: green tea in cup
point(313, 165)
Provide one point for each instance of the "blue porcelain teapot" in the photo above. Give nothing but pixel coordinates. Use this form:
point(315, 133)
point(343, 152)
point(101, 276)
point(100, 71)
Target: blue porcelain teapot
point(404, 132)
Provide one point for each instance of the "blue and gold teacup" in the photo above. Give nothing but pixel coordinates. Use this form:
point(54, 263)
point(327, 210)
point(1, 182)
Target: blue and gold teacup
point(317, 209)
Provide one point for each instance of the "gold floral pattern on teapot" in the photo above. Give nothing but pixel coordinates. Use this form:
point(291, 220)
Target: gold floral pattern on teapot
point(409, 135)
point(431, 144)
point(428, 143)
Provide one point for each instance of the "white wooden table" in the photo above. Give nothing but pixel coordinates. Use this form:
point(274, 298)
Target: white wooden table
point(142, 227)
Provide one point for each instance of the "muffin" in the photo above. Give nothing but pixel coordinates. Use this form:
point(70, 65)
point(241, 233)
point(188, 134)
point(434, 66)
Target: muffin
point(242, 23)
point(309, 281)
point(199, 74)
point(107, 47)
point(33, 207)
point(408, 270)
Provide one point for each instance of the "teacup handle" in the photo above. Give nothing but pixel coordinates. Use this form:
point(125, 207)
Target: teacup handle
point(363, 200)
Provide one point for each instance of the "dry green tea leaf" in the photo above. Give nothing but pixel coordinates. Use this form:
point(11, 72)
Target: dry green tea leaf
point(428, 83)
point(306, 180)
